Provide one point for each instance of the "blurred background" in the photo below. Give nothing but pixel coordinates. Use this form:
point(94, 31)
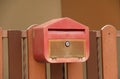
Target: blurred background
point(19, 14)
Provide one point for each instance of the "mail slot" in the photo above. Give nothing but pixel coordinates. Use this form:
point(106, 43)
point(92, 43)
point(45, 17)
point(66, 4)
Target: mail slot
point(61, 41)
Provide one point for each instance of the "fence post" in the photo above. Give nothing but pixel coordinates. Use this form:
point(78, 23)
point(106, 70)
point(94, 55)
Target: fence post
point(15, 54)
point(75, 71)
point(109, 52)
point(35, 70)
point(56, 71)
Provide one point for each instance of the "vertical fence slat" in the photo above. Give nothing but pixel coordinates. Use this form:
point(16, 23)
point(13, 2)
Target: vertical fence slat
point(35, 70)
point(109, 52)
point(57, 71)
point(1, 55)
point(14, 54)
point(75, 71)
point(92, 62)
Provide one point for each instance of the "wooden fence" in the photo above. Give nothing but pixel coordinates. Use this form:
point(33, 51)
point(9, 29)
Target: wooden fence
point(102, 63)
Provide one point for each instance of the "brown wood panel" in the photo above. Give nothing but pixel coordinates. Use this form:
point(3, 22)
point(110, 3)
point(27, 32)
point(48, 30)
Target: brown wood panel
point(57, 71)
point(92, 62)
point(14, 54)
point(109, 52)
point(75, 71)
point(1, 55)
point(35, 70)
point(93, 13)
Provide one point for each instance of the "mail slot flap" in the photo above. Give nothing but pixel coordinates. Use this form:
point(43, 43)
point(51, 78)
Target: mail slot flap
point(67, 33)
point(66, 30)
point(49, 36)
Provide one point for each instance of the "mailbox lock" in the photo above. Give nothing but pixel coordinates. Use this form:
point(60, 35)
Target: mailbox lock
point(67, 43)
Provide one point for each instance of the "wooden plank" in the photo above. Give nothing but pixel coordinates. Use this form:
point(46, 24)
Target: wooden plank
point(15, 54)
point(109, 52)
point(35, 70)
point(1, 55)
point(75, 71)
point(92, 62)
point(57, 71)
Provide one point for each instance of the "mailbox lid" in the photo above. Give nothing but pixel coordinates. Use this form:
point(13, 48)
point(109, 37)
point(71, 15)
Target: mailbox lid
point(62, 24)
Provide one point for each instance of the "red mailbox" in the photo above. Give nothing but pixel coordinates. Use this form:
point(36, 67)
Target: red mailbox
point(60, 41)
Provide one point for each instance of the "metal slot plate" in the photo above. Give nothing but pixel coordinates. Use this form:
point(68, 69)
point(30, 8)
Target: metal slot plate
point(58, 48)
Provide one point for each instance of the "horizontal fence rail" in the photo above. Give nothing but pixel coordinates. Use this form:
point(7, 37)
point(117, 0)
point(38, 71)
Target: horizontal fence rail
point(24, 34)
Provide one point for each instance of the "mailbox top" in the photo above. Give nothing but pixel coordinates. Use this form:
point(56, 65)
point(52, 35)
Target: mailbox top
point(62, 23)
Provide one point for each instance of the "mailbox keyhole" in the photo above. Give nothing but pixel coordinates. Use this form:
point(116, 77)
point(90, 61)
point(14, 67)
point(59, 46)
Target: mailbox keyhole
point(67, 43)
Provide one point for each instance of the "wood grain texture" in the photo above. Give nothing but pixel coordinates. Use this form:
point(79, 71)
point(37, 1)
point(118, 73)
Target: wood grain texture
point(1, 55)
point(109, 52)
point(14, 54)
point(35, 70)
point(92, 62)
point(57, 71)
point(75, 71)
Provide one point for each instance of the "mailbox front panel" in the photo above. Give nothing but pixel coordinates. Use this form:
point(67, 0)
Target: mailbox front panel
point(66, 48)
